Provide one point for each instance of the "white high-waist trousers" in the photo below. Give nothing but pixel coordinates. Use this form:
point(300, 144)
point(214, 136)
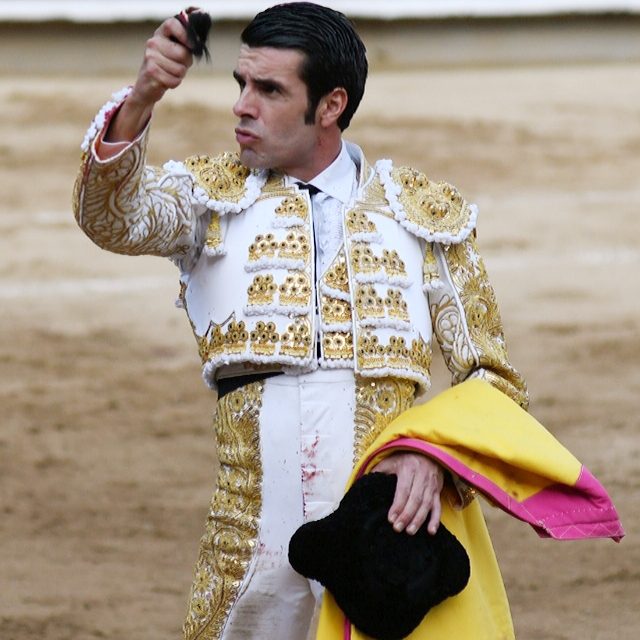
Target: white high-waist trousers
point(306, 441)
point(286, 446)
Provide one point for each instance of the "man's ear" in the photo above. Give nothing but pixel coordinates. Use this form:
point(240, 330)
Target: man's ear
point(331, 106)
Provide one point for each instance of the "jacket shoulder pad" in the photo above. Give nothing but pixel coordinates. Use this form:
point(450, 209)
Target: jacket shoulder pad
point(432, 210)
point(223, 177)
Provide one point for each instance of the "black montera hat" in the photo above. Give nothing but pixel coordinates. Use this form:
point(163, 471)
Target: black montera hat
point(385, 582)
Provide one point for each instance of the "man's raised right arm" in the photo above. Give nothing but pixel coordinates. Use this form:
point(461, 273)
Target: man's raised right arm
point(121, 204)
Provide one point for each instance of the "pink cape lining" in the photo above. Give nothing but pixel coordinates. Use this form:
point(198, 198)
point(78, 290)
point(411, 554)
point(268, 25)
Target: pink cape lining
point(559, 511)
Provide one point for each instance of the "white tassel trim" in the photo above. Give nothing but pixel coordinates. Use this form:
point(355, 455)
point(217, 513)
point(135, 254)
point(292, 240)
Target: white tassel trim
point(393, 190)
point(253, 186)
point(274, 263)
point(99, 121)
point(334, 293)
point(289, 221)
point(278, 309)
point(212, 252)
point(364, 236)
point(382, 278)
point(337, 326)
point(337, 363)
point(386, 323)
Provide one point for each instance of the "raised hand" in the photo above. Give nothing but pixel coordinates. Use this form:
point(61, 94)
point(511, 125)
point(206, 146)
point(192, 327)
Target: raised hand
point(166, 61)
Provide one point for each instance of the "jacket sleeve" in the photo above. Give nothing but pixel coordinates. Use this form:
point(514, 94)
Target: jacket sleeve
point(127, 207)
point(466, 320)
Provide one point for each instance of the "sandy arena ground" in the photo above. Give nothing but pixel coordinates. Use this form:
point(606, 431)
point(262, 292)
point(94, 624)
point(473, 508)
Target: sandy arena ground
point(106, 453)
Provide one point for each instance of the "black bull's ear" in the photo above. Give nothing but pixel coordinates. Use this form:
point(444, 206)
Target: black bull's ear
point(197, 24)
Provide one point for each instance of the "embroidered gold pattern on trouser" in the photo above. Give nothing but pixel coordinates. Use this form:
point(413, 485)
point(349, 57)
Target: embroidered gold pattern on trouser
point(378, 402)
point(228, 545)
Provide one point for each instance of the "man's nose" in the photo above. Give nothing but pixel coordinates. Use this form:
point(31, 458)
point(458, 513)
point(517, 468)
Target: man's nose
point(245, 105)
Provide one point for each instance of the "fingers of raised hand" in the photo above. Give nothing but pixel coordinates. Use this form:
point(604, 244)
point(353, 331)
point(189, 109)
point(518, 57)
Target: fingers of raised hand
point(417, 495)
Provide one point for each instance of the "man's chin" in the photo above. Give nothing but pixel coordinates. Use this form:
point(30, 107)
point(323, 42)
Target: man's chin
point(252, 160)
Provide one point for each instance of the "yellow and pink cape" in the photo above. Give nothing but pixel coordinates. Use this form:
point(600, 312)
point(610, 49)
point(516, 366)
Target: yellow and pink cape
point(504, 454)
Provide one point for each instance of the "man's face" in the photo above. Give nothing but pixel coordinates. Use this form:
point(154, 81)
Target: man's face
point(271, 131)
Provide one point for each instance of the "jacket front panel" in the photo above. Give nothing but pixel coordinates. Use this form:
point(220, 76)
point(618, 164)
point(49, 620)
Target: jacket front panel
point(256, 300)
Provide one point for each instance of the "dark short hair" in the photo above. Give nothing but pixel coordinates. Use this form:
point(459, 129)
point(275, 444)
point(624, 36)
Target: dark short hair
point(334, 53)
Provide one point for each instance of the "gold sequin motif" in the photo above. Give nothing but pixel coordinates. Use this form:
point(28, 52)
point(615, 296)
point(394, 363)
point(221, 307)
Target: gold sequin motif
point(335, 311)
point(336, 276)
point(368, 303)
point(293, 206)
point(393, 264)
point(296, 340)
point(264, 339)
point(363, 260)
point(264, 246)
point(337, 345)
point(296, 290)
point(396, 305)
point(262, 290)
point(357, 221)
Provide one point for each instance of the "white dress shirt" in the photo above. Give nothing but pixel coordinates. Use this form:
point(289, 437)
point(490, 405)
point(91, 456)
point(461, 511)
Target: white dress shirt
point(337, 185)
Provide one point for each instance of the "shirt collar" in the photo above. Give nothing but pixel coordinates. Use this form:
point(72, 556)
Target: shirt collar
point(338, 179)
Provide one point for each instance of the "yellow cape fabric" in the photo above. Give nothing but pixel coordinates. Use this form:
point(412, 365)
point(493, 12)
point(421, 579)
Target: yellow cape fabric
point(487, 431)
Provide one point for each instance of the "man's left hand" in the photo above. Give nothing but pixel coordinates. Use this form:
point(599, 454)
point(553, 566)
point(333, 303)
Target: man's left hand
point(417, 496)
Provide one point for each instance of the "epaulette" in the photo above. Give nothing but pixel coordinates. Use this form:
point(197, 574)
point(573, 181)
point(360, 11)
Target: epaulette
point(431, 210)
point(223, 183)
point(223, 177)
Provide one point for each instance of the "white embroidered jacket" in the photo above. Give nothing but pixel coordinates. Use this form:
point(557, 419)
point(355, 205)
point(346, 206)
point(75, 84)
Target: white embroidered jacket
point(408, 267)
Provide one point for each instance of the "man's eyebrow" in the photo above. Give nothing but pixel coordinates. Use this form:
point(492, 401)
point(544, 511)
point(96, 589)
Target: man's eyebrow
point(262, 83)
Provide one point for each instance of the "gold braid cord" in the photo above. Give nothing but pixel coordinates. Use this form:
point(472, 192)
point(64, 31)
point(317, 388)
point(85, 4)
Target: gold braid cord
point(378, 402)
point(470, 332)
point(232, 527)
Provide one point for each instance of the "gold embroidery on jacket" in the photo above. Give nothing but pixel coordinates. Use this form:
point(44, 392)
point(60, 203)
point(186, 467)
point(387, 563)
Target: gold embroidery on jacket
point(357, 221)
point(264, 339)
point(480, 342)
point(393, 264)
point(335, 311)
point(336, 277)
point(293, 206)
point(223, 177)
point(296, 340)
point(264, 246)
point(262, 290)
point(296, 290)
point(395, 355)
point(363, 260)
point(436, 206)
point(232, 527)
point(337, 345)
point(396, 305)
point(295, 246)
point(378, 402)
point(131, 209)
point(368, 303)
point(214, 235)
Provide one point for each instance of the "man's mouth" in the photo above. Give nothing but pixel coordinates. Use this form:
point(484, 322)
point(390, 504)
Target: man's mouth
point(244, 136)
